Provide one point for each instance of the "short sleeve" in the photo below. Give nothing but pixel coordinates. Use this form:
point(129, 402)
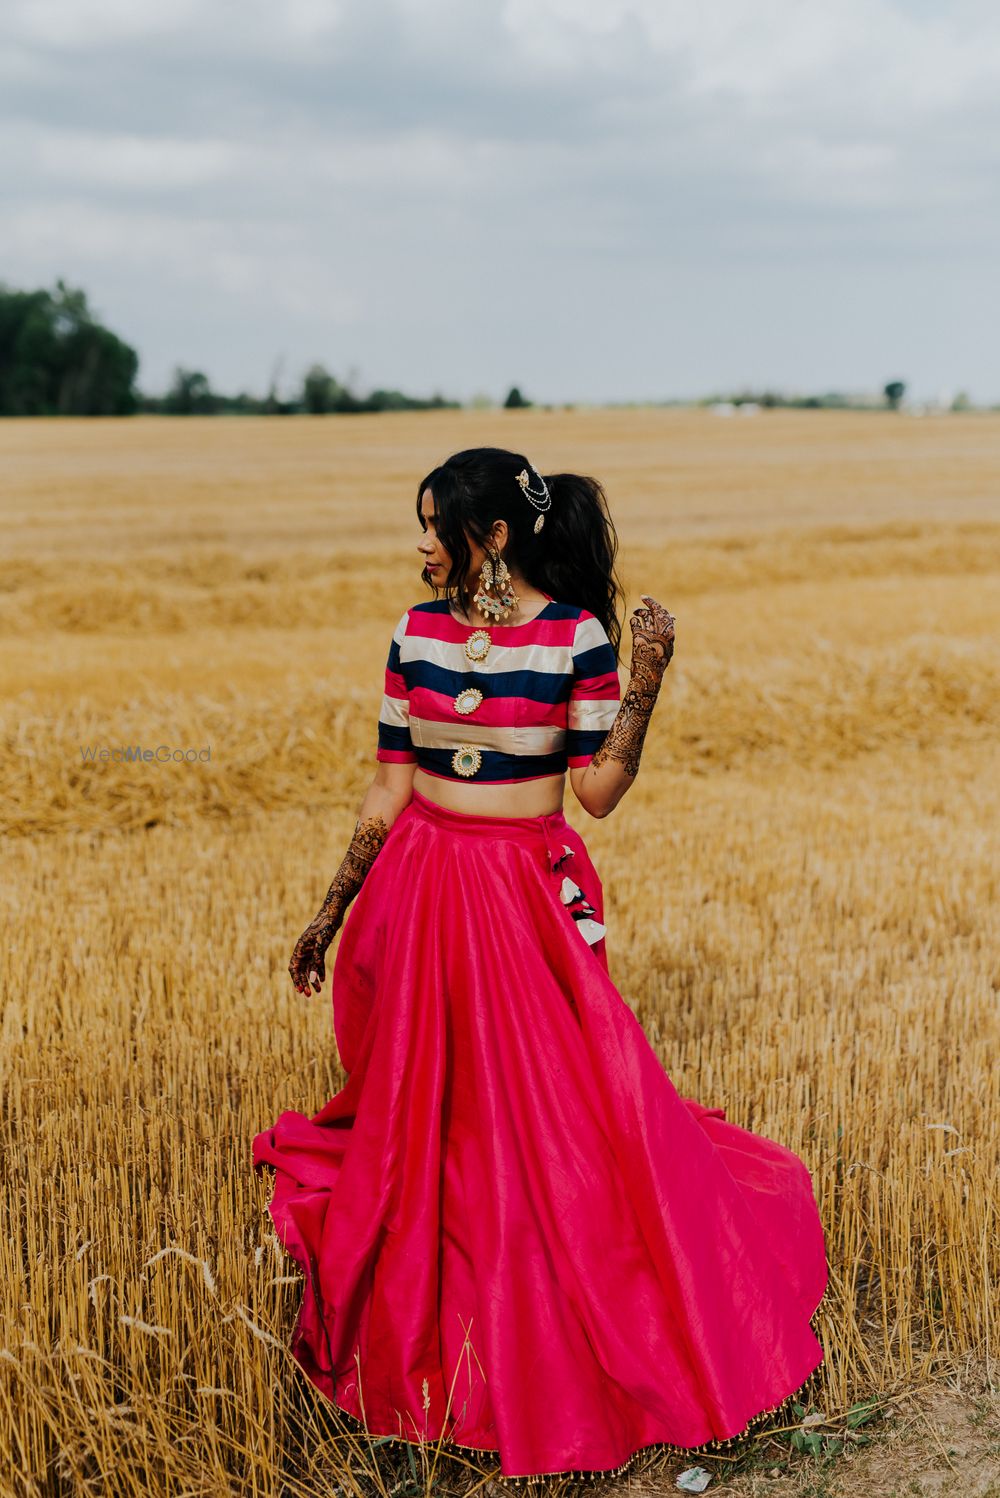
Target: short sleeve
point(394, 743)
point(596, 692)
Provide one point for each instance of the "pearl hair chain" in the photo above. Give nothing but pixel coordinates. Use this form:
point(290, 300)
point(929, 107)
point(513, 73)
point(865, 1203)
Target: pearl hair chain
point(541, 499)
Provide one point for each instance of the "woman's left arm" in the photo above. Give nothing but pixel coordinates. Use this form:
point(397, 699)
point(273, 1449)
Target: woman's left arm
point(601, 784)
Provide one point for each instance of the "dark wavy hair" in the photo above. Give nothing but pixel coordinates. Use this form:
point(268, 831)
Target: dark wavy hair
point(572, 557)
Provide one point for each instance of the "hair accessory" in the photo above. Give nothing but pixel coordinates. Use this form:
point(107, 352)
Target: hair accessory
point(491, 605)
point(540, 498)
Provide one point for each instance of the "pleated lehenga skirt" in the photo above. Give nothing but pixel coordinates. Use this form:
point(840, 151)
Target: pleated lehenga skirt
point(513, 1230)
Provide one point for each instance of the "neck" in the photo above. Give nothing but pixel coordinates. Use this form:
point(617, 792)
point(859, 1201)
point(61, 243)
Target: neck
point(528, 596)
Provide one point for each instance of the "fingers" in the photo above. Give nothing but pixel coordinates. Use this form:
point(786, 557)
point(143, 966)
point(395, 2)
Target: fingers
point(307, 968)
point(658, 609)
point(653, 618)
point(299, 969)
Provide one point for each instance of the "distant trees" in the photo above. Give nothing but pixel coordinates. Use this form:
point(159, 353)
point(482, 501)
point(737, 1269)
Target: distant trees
point(319, 390)
point(189, 395)
point(395, 400)
point(56, 359)
point(323, 393)
point(875, 399)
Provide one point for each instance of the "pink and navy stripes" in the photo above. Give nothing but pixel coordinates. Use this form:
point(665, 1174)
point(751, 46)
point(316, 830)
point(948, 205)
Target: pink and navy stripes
point(550, 692)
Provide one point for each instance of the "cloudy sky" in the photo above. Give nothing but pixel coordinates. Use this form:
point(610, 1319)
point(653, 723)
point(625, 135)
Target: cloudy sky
point(594, 199)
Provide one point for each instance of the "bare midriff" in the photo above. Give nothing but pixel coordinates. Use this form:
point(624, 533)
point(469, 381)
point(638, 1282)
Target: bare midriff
point(523, 798)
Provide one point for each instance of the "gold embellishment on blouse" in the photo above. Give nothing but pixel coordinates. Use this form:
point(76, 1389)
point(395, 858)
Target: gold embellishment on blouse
point(466, 760)
point(477, 646)
point(468, 700)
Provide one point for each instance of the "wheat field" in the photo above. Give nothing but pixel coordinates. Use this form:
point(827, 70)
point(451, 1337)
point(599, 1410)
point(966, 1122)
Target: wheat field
point(802, 889)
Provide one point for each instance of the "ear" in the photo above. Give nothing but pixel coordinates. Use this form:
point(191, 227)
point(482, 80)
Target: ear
point(499, 535)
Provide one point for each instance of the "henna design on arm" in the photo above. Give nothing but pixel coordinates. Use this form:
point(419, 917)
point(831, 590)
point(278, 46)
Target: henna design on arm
point(652, 648)
point(310, 949)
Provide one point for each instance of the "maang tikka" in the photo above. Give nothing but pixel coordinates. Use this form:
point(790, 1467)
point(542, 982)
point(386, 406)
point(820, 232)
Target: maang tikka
point(490, 605)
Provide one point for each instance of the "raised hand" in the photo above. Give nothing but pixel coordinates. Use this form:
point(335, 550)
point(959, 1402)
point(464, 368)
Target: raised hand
point(652, 636)
point(652, 648)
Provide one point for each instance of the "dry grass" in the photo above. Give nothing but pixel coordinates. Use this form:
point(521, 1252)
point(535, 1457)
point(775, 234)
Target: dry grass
point(802, 887)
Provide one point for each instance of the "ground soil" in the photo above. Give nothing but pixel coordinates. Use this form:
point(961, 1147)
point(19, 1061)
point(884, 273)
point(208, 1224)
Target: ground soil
point(941, 1439)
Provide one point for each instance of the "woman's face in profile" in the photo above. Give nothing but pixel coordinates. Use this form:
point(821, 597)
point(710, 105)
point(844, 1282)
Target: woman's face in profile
point(437, 561)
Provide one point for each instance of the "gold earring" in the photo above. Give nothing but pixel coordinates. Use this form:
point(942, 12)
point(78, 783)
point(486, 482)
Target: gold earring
point(485, 602)
point(489, 604)
point(508, 597)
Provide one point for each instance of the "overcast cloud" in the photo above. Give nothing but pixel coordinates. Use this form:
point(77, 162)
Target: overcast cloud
point(618, 200)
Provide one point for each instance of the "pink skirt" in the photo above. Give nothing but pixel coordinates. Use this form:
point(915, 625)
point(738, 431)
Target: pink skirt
point(515, 1233)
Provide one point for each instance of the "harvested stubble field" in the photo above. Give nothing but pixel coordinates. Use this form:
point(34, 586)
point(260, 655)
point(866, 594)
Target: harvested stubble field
point(802, 887)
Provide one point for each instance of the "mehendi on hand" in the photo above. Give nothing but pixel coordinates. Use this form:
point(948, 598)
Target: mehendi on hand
point(652, 648)
point(310, 949)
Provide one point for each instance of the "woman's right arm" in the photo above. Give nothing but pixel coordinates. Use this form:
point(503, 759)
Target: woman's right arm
point(390, 791)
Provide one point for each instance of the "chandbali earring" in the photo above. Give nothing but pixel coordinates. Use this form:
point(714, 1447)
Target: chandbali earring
point(495, 605)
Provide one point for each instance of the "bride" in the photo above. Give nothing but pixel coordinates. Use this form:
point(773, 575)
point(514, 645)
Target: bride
point(516, 1236)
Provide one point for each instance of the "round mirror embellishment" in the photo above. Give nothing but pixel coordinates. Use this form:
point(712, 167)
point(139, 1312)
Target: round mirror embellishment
point(477, 646)
point(466, 760)
point(468, 700)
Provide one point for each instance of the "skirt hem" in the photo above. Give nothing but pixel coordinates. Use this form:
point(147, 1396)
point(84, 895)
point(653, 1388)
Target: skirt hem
point(651, 1448)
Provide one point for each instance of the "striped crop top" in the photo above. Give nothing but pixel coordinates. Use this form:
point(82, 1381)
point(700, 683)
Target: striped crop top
point(498, 703)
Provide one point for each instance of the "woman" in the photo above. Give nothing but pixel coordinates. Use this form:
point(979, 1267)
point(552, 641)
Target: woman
point(515, 1233)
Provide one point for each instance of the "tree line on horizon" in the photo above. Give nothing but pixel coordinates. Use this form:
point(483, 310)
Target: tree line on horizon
point(57, 359)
